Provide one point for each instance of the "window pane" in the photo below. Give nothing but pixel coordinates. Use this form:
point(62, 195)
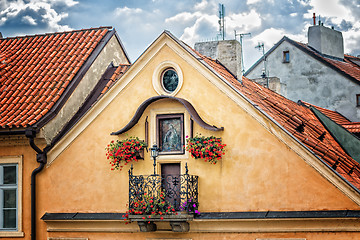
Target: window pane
point(10, 218)
point(9, 174)
point(10, 198)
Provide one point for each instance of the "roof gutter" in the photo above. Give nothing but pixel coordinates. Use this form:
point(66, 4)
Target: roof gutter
point(42, 159)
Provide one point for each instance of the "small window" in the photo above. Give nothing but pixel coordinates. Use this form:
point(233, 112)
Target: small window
point(170, 133)
point(8, 196)
point(286, 56)
point(169, 80)
point(358, 100)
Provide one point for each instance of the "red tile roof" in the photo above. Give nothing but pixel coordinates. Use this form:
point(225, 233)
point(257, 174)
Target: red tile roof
point(335, 116)
point(119, 71)
point(298, 120)
point(353, 127)
point(35, 71)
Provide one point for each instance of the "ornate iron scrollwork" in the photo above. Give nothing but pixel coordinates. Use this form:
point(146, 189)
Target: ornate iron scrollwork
point(178, 189)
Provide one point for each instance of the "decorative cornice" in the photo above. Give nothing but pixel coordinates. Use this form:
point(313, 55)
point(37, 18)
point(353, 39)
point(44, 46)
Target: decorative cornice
point(193, 113)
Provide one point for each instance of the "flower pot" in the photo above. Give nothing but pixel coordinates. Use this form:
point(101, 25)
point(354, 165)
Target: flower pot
point(140, 154)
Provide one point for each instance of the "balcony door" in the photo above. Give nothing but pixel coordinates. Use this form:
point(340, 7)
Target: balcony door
point(171, 183)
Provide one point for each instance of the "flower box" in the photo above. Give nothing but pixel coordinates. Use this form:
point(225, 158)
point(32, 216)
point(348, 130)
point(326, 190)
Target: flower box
point(162, 218)
point(122, 152)
point(210, 148)
point(178, 222)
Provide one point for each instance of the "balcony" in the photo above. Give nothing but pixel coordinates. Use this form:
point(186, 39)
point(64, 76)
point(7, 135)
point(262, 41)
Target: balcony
point(178, 191)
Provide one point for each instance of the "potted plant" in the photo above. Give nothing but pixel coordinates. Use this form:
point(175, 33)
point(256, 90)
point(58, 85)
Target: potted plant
point(150, 207)
point(211, 149)
point(190, 206)
point(122, 152)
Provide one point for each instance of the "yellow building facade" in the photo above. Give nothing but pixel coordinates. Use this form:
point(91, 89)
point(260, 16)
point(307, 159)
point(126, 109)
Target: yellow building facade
point(266, 186)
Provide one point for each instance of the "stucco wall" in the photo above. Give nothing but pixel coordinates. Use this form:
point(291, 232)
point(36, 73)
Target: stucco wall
point(307, 79)
point(258, 172)
point(28, 165)
point(112, 52)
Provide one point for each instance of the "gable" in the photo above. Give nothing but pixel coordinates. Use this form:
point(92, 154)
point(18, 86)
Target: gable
point(264, 167)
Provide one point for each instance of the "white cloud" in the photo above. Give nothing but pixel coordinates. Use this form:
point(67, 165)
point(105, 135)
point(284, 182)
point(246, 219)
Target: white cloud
point(201, 6)
point(248, 2)
point(330, 9)
point(69, 3)
point(184, 17)
point(271, 36)
point(203, 26)
point(41, 11)
point(246, 21)
point(28, 20)
point(125, 11)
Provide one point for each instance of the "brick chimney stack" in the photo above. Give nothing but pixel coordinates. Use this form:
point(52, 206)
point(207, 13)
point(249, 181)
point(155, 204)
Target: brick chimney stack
point(228, 52)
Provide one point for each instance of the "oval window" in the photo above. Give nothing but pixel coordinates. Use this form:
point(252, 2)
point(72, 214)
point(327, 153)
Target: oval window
point(169, 80)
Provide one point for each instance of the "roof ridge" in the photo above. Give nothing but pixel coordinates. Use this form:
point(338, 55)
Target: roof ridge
point(56, 33)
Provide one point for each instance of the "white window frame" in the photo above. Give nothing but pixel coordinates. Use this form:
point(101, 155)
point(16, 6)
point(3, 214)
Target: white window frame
point(18, 161)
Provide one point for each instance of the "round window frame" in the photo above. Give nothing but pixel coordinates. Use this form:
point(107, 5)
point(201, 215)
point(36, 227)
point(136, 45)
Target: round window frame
point(162, 79)
point(157, 80)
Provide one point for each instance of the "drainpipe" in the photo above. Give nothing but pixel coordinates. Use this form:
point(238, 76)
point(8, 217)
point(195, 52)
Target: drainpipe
point(40, 158)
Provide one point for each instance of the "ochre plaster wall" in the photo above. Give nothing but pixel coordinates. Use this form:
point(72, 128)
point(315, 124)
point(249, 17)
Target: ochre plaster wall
point(28, 165)
point(258, 172)
point(212, 236)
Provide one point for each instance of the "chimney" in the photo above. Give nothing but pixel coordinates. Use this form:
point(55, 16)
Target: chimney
point(1, 36)
point(228, 52)
point(327, 41)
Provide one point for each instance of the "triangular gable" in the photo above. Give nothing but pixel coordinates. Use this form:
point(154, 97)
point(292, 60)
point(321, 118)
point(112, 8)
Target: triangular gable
point(235, 90)
point(347, 68)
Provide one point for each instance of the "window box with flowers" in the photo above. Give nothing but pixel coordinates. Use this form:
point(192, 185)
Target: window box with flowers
point(211, 149)
point(123, 152)
point(156, 208)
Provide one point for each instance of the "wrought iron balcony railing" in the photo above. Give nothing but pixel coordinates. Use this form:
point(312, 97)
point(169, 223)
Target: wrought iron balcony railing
point(180, 190)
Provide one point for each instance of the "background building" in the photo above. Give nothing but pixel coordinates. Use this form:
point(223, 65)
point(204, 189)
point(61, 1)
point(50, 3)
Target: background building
point(318, 72)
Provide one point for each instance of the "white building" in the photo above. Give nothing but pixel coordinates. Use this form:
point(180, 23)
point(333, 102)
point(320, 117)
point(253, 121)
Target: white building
point(318, 72)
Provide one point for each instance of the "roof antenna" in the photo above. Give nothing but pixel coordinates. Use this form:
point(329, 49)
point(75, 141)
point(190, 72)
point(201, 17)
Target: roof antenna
point(241, 35)
point(264, 75)
point(222, 21)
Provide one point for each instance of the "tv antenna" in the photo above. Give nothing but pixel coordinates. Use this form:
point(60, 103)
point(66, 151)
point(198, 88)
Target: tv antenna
point(222, 21)
point(241, 35)
point(264, 74)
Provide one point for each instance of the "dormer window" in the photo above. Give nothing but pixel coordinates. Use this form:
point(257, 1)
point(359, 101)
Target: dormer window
point(358, 100)
point(286, 56)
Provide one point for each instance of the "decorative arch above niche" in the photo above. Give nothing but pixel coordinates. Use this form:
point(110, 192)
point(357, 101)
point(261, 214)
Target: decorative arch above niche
point(188, 106)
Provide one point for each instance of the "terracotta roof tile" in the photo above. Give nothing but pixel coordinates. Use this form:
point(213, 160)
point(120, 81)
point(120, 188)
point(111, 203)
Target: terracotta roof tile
point(353, 127)
point(298, 120)
point(120, 70)
point(35, 71)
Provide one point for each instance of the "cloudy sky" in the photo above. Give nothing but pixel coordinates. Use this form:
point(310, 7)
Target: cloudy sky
point(140, 22)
